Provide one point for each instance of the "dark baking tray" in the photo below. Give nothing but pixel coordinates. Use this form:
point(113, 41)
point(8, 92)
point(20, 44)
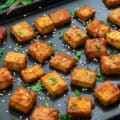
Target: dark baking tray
point(100, 112)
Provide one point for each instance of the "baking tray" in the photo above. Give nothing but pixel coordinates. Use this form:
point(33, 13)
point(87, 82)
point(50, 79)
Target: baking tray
point(100, 112)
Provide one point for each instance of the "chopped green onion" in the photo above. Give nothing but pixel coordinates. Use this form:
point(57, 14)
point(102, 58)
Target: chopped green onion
point(73, 107)
point(98, 47)
point(53, 80)
point(77, 92)
point(65, 117)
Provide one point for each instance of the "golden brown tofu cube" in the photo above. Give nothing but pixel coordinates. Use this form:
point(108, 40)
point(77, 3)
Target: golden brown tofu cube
point(85, 12)
point(22, 100)
point(107, 93)
point(74, 37)
point(32, 73)
point(22, 31)
point(62, 62)
point(112, 3)
point(114, 16)
point(95, 48)
point(60, 17)
point(113, 38)
point(44, 25)
point(44, 113)
point(97, 28)
point(79, 106)
point(15, 60)
point(40, 50)
point(6, 79)
point(110, 64)
point(83, 77)
point(3, 34)
point(54, 83)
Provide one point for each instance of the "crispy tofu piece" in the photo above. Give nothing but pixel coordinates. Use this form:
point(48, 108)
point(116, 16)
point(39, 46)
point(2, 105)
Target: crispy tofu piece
point(107, 93)
point(85, 12)
point(44, 113)
point(112, 3)
point(22, 31)
point(95, 48)
point(74, 37)
point(54, 83)
point(40, 50)
point(32, 73)
point(6, 79)
point(114, 16)
point(44, 25)
point(83, 77)
point(113, 38)
point(97, 28)
point(62, 62)
point(60, 17)
point(110, 64)
point(3, 33)
point(22, 100)
point(79, 106)
point(15, 60)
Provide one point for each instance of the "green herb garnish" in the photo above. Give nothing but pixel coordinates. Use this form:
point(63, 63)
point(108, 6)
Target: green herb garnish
point(53, 80)
point(90, 77)
point(1, 52)
point(72, 12)
point(78, 55)
point(73, 107)
point(47, 104)
point(12, 118)
point(77, 92)
point(65, 117)
point(20, 32)
point(17, 47)
point(98, 47)
point(109, 23)
point(61, 34)
point(79, 35)
point(25, 2)
point(51, 44)
point(112, 52)
point(25, 85)
point(100, 76)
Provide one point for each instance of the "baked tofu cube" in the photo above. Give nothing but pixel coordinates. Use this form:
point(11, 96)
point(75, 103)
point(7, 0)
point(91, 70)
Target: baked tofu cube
point(6, 79)
point(44, 25)
point(3, 33)
point(54, 83)
point(22, 31)
point(97, 28)
point(107, 93)
point(32, 73)
point(85, 12)
point(79, 106)
point(114, 16)
point(95, 48)
point(112, 3)
point(110, 64)
point(40, 51)
point(83, 77)
point(113, 38)
point(62, 62)
point(44, 113)
point(60, 17)
point(22, 99)
point(74, 37)
point(15, 60)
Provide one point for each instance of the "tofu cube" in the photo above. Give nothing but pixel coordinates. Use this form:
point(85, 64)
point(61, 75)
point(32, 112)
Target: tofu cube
point(83, 77)
point(113, 38)
point(74, 37)
point(44, 25)
point(60, 17)
point(62, 62)
point(54, 83)
point(3, 33)
point(15, 60)
point(112, 3)
point(114, 16)
point(107, 93)
point(110, 64)
point(95, 48)
point(22, 100)
point(79, 106)
point(22, 31)
point(97, 28)
point(32, 73)
point(40, 51)
point(85, 12)
point(6, 79)
point(44, 113)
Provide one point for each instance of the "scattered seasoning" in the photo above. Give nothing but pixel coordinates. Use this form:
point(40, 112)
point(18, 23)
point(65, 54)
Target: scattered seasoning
point(17, 47)
point(79, 35)
point(90, 77)
point(1, 52)
point(78, 55)
point(12, 118)
point(51, 44)
point(73, 107)
point(72, 12)
point(65, 117)
point(112, 52)
point(100, 76)
point(61, 34)
point(53, 80)
point(98, 47)
point(77, 92)
point(47, 104)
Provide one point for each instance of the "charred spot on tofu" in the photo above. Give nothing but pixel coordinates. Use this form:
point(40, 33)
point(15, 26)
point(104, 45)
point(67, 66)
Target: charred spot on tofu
point(22, 31)
point(3, 33)
point(107, 93)
point(44, 113)
point(83, 77)
point(54, 83)
point(40, 50)
point(15, 60)
point(74, 37)
point(62, 62)
point(22, 100)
